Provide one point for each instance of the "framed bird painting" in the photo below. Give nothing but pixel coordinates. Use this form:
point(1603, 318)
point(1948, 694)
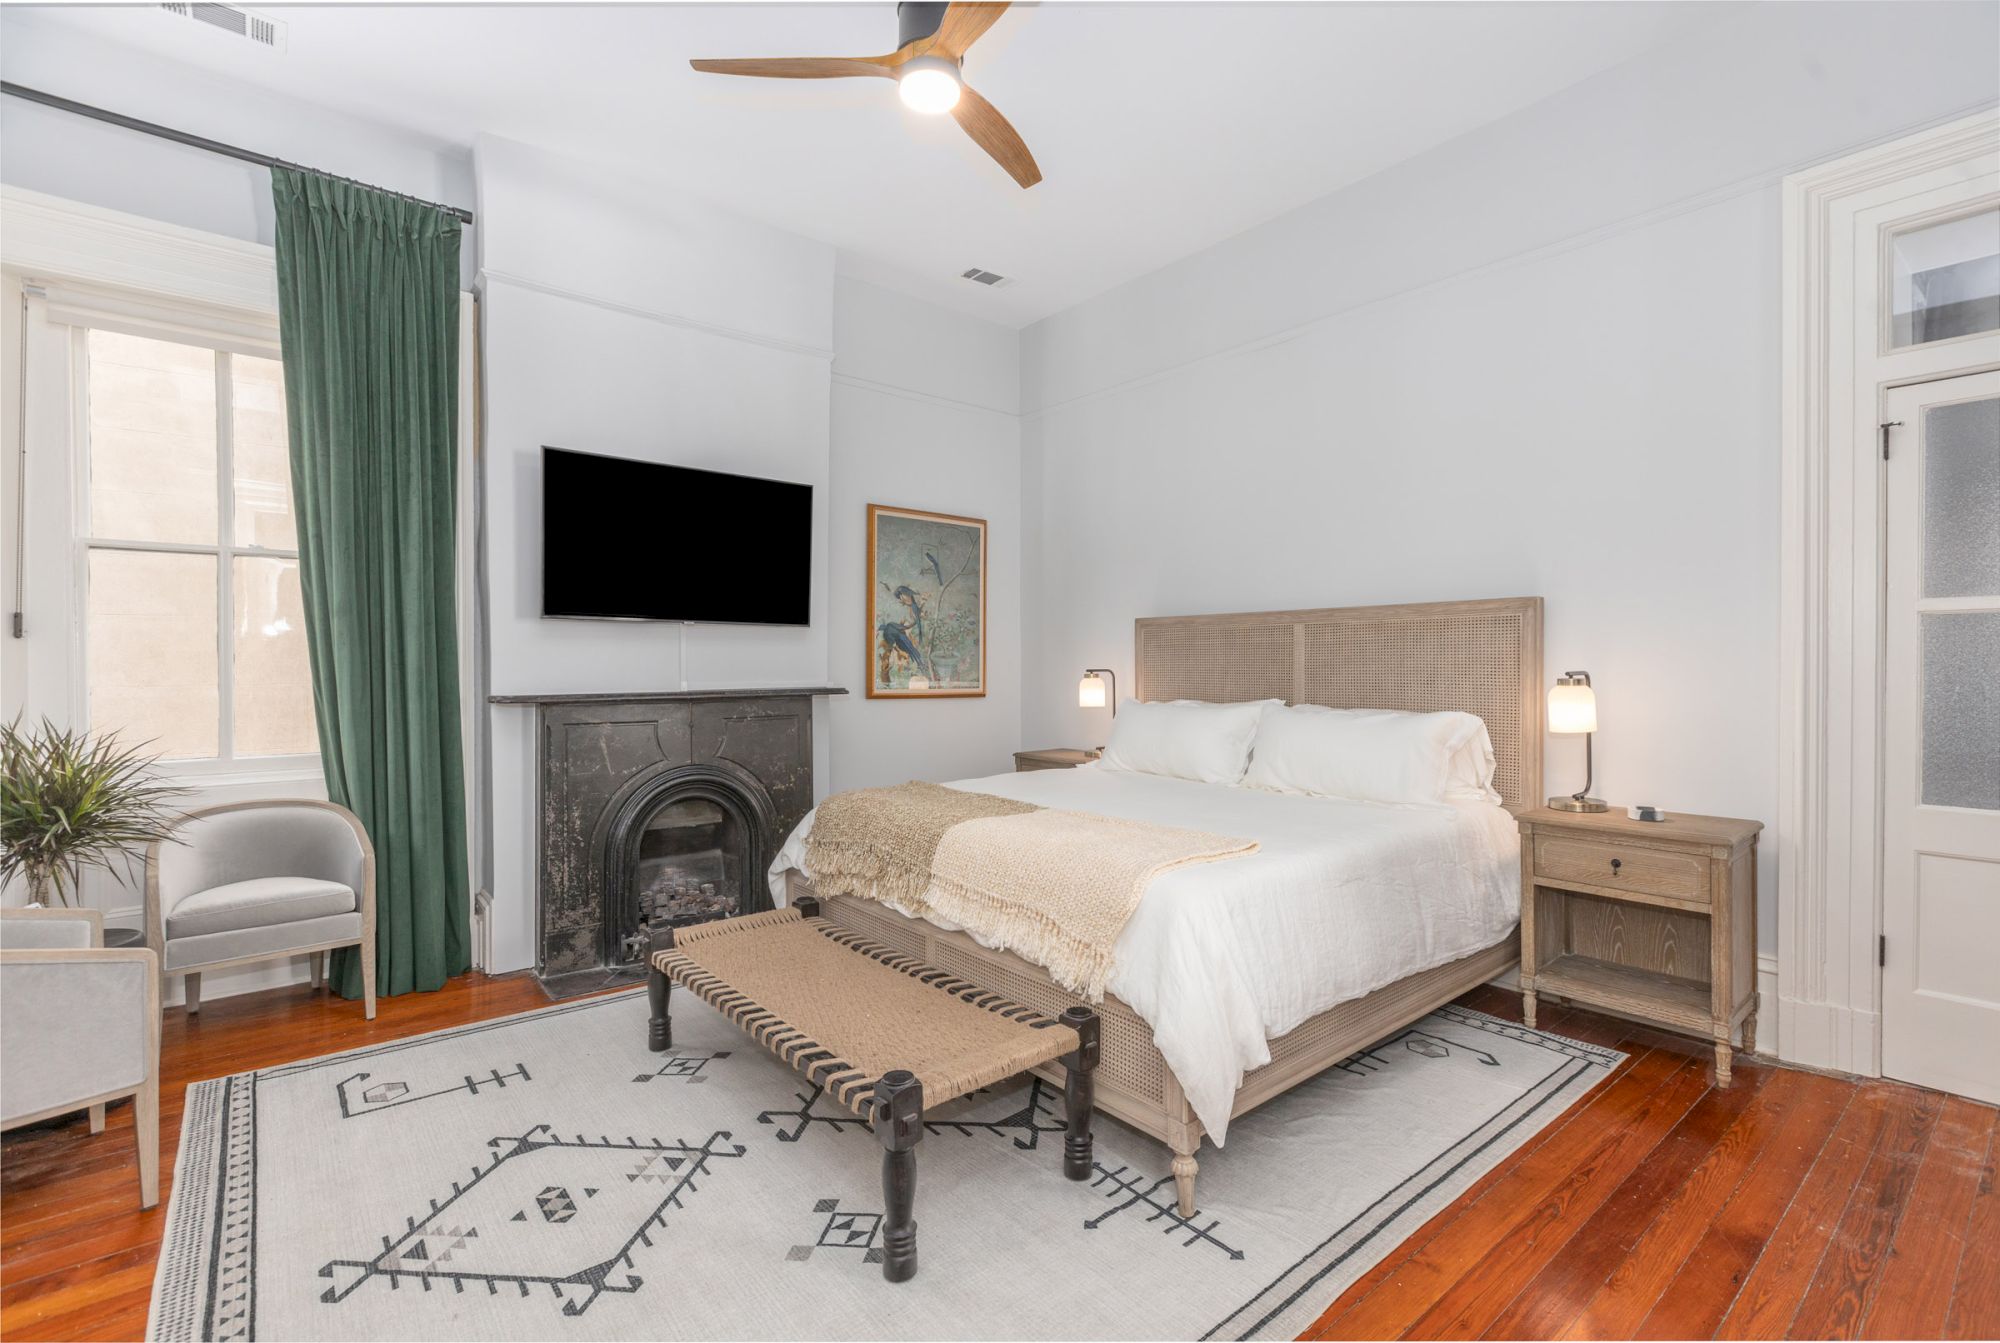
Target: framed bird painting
point(926, 604)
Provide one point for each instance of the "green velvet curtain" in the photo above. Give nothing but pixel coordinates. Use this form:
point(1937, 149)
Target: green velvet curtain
point(368, 316)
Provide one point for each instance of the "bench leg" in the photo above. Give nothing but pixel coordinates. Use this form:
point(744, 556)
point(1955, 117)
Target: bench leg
point(1079, 1091)
point(899, 1125)
point(660, 1030)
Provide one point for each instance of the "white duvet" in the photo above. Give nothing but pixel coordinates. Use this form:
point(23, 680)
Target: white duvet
point(1342, 898)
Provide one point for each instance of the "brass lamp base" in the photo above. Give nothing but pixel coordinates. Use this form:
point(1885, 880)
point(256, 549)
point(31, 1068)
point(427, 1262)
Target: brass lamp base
point(1578, 804)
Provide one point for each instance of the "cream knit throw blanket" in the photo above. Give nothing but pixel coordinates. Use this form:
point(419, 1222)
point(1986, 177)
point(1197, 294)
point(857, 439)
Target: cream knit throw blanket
point(1055, 887)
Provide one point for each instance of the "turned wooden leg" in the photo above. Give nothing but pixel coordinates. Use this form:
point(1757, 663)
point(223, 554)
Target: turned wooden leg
point(191, 990)
point(1750, 1033)
point(1079, 1091)
point(1528, 1008)
point(1185, 1167)
point(1722, 1063)
point(660, 1030)
point(97, 1117)
point(898, 1117)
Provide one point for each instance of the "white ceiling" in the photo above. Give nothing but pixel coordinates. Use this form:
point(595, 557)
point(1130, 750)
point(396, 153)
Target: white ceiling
point(1160, 128)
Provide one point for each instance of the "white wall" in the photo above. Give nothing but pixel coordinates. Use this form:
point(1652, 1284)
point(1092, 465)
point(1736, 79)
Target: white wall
point(924, 416)
point(1541, 359)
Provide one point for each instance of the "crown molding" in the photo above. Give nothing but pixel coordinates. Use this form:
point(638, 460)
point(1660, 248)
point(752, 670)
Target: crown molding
point(48, 237)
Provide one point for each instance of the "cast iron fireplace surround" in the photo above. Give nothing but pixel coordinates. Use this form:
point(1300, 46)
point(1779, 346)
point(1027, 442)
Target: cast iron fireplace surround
point(659, 807)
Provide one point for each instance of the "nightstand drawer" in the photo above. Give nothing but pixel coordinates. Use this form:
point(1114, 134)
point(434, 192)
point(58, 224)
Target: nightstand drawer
point(1681, 876)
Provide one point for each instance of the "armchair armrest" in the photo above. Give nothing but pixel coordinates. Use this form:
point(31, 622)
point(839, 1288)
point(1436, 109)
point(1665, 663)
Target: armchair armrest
point(46, 928)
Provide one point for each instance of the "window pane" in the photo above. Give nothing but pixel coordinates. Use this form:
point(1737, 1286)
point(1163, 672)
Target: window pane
point(152, 440)
point(259, 449)
point(1962, 499)
point(274, 703)
point(1961, 709)
point(1945, 279)
point(152, 674)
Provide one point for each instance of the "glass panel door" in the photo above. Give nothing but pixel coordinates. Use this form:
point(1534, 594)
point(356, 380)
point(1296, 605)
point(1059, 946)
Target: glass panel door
point(1941, 736)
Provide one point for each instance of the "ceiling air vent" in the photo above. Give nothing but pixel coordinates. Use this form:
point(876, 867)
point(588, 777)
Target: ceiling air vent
point(985, 277)
point(230, 19)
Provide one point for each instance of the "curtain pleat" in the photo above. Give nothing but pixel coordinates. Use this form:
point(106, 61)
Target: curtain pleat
point(368, 318)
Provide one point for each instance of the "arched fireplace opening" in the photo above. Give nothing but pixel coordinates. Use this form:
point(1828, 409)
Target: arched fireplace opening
point(686, 847)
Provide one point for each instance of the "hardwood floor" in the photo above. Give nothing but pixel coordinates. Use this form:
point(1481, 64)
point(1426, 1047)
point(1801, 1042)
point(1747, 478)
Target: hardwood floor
point(1791, 1205)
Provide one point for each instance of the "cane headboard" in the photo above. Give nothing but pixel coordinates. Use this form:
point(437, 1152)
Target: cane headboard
point(1482, 657)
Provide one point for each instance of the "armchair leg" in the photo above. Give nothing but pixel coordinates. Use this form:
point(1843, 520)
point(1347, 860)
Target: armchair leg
point(191, 987)
point(316, 966)
point(146, 1132)
point(97, 1117)
point(368, 977)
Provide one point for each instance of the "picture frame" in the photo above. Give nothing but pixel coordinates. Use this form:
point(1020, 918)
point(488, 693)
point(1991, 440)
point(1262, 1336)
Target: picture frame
point(927, 580)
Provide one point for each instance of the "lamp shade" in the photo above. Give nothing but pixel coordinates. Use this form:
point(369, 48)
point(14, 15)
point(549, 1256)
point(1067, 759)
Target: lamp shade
point(1572, 707)
point(1090, 692)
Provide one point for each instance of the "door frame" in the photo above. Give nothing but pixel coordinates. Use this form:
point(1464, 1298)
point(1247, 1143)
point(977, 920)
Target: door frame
point(1836, 369)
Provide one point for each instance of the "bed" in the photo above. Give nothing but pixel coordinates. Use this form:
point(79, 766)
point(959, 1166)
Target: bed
point(1352, 920)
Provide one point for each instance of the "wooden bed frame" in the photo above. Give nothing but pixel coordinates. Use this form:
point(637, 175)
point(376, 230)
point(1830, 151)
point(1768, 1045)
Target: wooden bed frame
point(1482, 657)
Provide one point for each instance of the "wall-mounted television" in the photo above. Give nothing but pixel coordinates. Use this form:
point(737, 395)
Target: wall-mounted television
point(631, 540)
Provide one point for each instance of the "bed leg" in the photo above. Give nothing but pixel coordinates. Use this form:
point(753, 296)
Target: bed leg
point(659, 1030)
point(1184, 1168)
point(1079, 1091)
point(898, 1118)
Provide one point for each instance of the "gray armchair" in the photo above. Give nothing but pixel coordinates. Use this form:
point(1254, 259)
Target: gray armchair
point(79, 1027)
point(256, 881)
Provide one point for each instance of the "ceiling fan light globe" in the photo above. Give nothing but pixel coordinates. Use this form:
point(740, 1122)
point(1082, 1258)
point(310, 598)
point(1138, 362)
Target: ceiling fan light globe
point(929, 85)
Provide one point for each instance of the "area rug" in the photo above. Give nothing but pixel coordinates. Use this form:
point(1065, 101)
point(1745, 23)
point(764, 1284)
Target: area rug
point(545, 1177)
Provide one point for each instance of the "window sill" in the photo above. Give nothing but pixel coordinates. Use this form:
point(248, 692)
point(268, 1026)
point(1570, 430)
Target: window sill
point(237, 776)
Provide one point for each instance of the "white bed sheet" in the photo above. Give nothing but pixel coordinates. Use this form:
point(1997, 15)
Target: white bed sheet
point(1341, 899)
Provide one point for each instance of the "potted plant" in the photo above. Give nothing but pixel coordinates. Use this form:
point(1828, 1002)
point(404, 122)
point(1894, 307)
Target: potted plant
point(69, 801)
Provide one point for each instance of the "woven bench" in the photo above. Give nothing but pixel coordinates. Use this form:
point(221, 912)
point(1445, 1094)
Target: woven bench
point(882, 1033)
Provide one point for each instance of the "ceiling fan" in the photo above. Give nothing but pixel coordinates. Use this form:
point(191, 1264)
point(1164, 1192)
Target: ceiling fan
point(931, 42)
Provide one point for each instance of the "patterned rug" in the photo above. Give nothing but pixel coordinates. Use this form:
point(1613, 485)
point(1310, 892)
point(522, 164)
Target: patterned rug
point(545, 1177)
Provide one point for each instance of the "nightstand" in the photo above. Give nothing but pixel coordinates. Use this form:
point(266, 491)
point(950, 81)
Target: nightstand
point(1056, 757)
point(1653, 920)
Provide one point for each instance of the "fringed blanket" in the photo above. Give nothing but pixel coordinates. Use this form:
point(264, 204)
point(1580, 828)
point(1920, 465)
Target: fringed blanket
point(1055, 887)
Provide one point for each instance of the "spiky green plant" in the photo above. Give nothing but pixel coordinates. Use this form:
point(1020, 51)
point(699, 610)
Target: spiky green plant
point(70, 801)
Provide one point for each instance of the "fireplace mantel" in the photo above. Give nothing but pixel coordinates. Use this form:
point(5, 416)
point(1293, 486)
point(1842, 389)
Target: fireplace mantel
point(650, 696)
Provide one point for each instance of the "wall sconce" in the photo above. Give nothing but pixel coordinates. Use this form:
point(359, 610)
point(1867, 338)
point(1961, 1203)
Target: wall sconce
point(1091, 693)
point(1573, 709)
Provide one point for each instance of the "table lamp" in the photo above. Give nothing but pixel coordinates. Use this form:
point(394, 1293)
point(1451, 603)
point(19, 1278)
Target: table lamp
point(1572, 709)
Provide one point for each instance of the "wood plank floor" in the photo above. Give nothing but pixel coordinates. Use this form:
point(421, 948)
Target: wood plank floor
point(1791, 1205)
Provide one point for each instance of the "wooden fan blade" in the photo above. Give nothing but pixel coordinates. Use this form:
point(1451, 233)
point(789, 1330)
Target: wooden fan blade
point(992, 133)
point(796, 67)
point(964, 24)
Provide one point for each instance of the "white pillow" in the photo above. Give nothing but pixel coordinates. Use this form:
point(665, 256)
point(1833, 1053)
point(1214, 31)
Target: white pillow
point(1371, 755)
point(1185, 739)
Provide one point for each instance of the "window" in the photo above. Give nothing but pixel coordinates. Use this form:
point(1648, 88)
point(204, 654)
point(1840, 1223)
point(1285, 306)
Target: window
point(1944, 280)
point(193, 626)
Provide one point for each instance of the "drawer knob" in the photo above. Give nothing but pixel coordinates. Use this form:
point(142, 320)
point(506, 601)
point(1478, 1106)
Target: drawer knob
point(1617, 863)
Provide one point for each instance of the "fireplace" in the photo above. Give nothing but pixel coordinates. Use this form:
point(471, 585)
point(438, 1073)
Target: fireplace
point(659, 810)
point(691, 847)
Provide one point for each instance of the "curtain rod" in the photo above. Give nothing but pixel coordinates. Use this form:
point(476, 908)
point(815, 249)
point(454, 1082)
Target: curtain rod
point(201, 142)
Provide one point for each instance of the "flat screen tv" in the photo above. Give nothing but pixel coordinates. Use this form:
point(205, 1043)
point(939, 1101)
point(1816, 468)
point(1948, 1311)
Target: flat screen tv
point(629, 540)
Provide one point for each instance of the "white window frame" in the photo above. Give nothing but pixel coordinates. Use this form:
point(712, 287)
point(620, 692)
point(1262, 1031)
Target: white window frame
point(225, 550)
